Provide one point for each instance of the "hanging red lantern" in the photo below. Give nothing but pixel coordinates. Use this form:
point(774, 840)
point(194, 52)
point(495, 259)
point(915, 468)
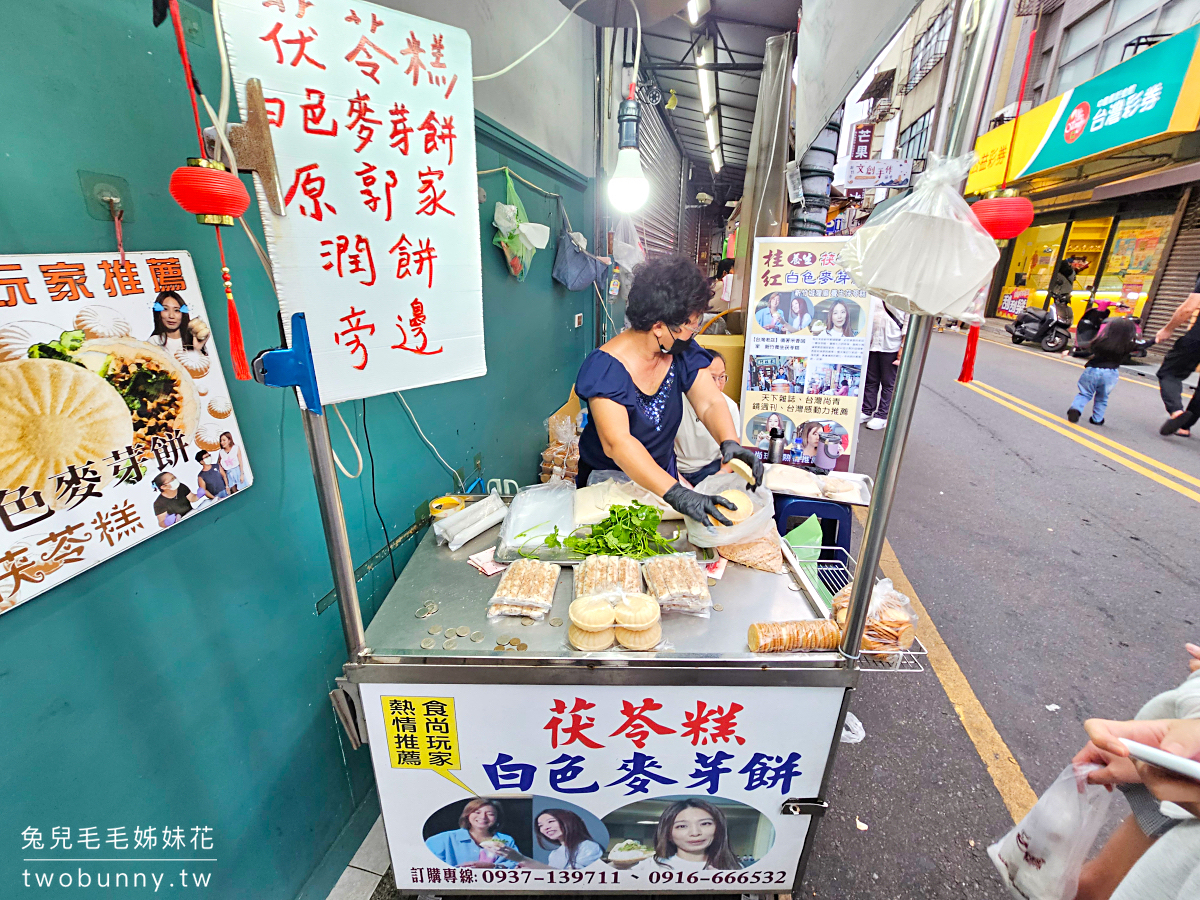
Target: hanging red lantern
point(213, 194)
point(1004, 217)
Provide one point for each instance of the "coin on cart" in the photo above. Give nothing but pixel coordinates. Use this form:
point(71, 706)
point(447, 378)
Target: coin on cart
point(422, 612)
point(792, 586)
point(428, 644)
point(512, 642)
point(718, 607)
point(556, 622)
point(500, 647)
point(525, 620)
point(522, 646)
point(477, 636)
point(450, 644)
point(711, 582)
point(503, 639)
point(435, 629)
point(510, 647)
point(431, 606)
point(463, 630)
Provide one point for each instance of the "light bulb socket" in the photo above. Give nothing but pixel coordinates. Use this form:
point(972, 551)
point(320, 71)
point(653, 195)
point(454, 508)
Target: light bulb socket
point(628, 116)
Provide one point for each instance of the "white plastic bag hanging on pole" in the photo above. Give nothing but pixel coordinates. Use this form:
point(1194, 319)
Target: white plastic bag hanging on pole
point(926, 254)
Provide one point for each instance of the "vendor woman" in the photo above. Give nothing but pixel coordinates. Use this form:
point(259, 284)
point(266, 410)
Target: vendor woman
point(634, 387)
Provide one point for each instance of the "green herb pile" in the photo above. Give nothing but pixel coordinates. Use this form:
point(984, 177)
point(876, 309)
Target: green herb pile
point(628, 531)
point(63, 349)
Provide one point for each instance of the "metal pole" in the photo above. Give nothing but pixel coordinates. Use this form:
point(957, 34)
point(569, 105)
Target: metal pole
point(333, 520)
point(949, 141)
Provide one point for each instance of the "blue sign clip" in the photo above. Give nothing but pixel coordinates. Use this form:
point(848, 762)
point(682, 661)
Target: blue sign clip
point(291, 366)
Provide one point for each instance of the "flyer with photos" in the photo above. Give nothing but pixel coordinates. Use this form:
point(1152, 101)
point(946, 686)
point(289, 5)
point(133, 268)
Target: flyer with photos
point(115, 419)
point(807, 336)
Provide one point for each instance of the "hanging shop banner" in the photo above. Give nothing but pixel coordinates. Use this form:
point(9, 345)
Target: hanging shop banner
point(373, 122)
point(581, 789)
point(115, 421)
point(887, 173)
point(806, 352)
point(860, 140)
point(1152, 95)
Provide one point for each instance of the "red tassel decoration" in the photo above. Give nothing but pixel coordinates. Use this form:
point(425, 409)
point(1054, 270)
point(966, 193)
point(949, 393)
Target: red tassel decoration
point(967, 375)
point(237, 348)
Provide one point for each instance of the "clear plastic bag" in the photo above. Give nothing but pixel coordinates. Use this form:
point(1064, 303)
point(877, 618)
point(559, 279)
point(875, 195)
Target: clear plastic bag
point(627, 246)
point(535, 513)
point(527, 586)
point(621, 490)
point(509, 219)
point(760, 523)
point(678, 583)
point(1041, 857)
point(927, 253)
point(608, 577)
point(458, 528)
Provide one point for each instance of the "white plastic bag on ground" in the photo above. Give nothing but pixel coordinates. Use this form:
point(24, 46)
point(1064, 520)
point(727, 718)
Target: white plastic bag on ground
point(760, 523)
point(1041, 857)
point(926, 253)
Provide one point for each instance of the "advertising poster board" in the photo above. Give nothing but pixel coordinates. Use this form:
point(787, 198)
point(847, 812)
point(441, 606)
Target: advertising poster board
point(110, 381)
point(658, 788)
point(807, 336)
point(373, 122)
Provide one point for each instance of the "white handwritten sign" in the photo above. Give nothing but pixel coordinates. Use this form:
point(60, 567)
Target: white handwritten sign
point(372, 119)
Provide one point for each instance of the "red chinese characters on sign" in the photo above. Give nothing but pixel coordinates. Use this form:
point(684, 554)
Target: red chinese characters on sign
point(66, 281)
point(415, 332)
point(638, 724)
point(413, 51)
point(314, 113)
point(354, 260)
point(400, 128)
point(166, 274)
point(423, 257)
point(711, 724)
point(120, 276)
point(360, 118)
point(367, 64)
point(349, 337)
point(435, 134)
point(15, 287)
point(431, 202)
point(275, 108)
point(564, 734)
point(301, 41)
point(312, 186)
point(369, 179)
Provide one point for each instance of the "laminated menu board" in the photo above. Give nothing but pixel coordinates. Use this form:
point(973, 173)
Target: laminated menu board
point(808, 330)
point(373, 122)
point(115, 420)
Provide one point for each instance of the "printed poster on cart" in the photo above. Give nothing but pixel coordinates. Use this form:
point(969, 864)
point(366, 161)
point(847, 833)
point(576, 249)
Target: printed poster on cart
point(373, 122)
point(807, 337)
point(115, 419)
point(596, 788)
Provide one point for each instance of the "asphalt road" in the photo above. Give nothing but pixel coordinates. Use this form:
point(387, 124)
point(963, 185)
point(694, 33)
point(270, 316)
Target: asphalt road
point(1057, 577)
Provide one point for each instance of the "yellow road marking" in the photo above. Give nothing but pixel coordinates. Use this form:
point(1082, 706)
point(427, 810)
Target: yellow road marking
point(1054, 357)
point(1003, 768)
point(1175, 473)
point(1097, 448)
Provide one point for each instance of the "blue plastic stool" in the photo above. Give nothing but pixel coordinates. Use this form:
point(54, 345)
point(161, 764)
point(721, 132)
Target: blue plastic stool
point(802, 507)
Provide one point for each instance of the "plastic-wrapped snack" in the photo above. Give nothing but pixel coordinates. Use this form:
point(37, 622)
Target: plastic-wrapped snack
point(775, 637)
point(526, 584)
point(502, 608)
point(678, 583)
point(613, 577)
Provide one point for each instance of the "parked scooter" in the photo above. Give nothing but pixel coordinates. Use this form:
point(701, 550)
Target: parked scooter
point(1049, 327)
point(1088, 329)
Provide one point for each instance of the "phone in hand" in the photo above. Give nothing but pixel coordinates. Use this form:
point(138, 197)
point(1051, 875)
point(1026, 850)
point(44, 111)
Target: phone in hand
point(1180, 765)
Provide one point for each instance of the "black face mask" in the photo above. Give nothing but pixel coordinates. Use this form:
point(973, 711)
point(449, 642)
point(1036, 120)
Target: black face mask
point(677, 348)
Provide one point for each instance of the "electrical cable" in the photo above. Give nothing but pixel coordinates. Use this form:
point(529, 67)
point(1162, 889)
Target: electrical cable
point(353, 444)
point(428, 442)
point(224, 54)
point(637, 53)
point(375, 500)
point(512, 65)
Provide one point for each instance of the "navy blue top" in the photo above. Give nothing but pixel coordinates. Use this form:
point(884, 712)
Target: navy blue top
point(653, 419)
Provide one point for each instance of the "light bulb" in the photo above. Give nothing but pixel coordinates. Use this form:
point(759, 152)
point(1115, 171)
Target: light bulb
point(628, 187)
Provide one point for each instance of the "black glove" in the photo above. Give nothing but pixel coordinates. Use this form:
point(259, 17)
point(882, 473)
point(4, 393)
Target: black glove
point(734, 450)
point(698, 506)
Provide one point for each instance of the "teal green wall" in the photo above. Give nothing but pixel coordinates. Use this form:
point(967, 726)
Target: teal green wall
point(184, 682)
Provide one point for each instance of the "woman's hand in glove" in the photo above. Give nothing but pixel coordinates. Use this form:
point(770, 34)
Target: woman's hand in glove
point(734, 450)
point(698, 506)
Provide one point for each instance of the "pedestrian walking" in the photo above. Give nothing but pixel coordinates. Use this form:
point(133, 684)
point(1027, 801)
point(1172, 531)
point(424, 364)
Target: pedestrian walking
point(1180, 362)
point(1100, 375)
point(887, 337)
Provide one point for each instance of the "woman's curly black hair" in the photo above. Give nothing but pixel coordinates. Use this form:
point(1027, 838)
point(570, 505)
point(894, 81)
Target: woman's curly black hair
point(670, 290)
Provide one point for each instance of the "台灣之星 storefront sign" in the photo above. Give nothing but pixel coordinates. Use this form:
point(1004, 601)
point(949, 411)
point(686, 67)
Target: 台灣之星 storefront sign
point(115, 420)
point(807, 336)
point(581, 788)
point(373, 122)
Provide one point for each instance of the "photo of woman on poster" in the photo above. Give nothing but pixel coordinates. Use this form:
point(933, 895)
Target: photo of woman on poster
point(808, 437)
point(230, 458)
point(799, 313)
point(174, 328)
point(691, 835)
point(771, 315)
point(837, 320)
point(565, 835)
point(478, 841)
